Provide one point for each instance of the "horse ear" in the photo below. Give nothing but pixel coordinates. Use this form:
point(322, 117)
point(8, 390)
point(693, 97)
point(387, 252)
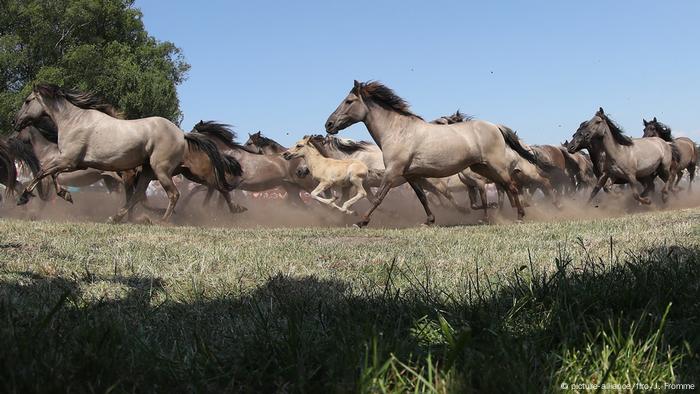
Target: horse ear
point(645, 121)
point(655, 119)
point(600, 111)
point(357, 84)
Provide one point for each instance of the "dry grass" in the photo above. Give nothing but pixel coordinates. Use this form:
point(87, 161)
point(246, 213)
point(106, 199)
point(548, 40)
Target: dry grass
point(92, 307)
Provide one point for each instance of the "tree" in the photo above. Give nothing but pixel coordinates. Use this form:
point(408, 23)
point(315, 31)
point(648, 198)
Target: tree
point(99, 46)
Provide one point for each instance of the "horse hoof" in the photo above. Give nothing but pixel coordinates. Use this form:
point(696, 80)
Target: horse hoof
point(146, 221)
point(239, 209)
point(111, 220)
point(23, 198)
point(361, 224)
point(68, 197)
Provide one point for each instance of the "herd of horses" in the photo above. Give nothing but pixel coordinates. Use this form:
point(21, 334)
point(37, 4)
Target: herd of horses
point(70, 138)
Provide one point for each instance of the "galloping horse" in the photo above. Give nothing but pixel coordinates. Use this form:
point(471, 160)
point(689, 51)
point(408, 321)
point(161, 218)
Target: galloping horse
point(370, 154)
point(260, 171)
point(635, 161)
point(44, 147)
point(526, 173)
point(331, 173)
point(688, 151)
point(296, 169)
point(413, 148)
point(91, 136)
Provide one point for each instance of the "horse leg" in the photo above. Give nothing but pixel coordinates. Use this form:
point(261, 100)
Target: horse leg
point(186, 200)
point(165, 179)
point(233, 208)
point(430, 218)
point(439, 192)
point(371, 197)
point(599, 185)
point(636, 185)
point(360, 193)
point(137, 193)
point(550, 191)
point(316, 194)
point(691, 175)
point(52, 169)
point(293, 195)
point(484, 202)
point(60, 190)
point(389, 180)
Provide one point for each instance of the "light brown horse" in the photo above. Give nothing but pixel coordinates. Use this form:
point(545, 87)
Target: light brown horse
point(688, 151)
point(413, 148)
point(90, 135)
point(635, 161)
point(331, 173)
point(44, 147)
point(344, 148)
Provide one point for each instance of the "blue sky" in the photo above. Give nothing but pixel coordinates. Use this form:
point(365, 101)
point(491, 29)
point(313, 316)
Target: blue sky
point(541, 67)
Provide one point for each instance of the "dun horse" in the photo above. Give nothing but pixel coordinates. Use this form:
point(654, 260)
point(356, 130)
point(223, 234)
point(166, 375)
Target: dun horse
point(331, 173)
point(688, 151)
point(44, 147)
point(90, 135)
point(635, 161)
point(413, 148)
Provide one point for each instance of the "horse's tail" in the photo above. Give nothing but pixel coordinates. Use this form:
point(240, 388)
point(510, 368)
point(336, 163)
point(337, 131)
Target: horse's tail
point(7, 161)
point(23, 152)
point(675, 152)
point(232, 166)
point(514, 143)
point(200, 143)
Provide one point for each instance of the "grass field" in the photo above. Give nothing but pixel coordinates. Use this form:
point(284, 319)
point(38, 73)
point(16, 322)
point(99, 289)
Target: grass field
point(509, 308)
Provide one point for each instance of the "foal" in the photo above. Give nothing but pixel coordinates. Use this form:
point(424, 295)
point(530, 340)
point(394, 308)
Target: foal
point(331, 173)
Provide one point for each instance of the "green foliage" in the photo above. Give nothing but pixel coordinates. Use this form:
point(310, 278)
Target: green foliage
point(91, 45)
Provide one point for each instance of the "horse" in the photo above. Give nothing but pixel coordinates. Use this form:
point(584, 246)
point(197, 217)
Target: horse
point(260, 171)
point(257, 142)
point(555, 166)
point(580, 168)
point(688, 151)
point(370, 154)
point(331, 173)
point(44, 148)
point(524, 172)
point(635, 161)
point(90, 134)
point(413, 148)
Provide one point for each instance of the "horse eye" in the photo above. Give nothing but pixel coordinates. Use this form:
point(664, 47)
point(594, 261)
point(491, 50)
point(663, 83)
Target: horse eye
point(300, 146)
point(348, 101)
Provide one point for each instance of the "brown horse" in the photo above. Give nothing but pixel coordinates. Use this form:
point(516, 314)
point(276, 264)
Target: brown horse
point(413, 148)
point(688, 151)
point(90, 134)
point(260, 171)
point(555, 166)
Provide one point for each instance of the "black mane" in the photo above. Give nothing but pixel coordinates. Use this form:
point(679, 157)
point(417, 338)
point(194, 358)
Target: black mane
point(221, 132)
point(84, 100)
point(347, 146)
point(377, 93)
point(617, 132)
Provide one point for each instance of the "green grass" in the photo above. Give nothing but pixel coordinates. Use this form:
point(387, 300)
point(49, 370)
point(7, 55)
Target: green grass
point(512, 308)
